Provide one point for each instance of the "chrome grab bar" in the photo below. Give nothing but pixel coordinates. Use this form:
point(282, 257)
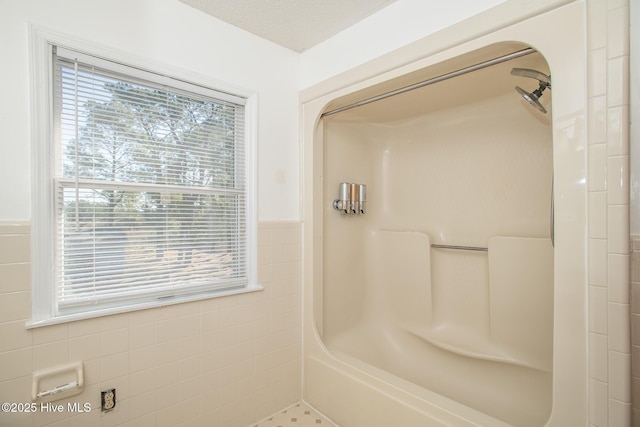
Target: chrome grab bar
point(460, 248)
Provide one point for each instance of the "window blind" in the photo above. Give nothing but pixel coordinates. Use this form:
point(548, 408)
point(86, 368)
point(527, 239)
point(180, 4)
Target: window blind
point(150, 186)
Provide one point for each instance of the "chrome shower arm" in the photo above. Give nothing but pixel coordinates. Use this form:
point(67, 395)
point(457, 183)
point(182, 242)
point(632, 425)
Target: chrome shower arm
point(533, 74)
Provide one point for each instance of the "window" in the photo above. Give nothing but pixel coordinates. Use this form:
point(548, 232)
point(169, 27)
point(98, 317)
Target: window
point(149, 199)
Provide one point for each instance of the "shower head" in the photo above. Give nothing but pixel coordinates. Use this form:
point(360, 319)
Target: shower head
point(533, 97)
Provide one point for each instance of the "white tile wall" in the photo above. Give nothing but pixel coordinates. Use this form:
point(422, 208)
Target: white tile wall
point(635, 328)
point(220, 362)
point(608, 229)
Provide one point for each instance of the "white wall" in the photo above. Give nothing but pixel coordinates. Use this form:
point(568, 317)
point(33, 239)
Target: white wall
point(171, 33)
point(166, 32)
point(396, 25)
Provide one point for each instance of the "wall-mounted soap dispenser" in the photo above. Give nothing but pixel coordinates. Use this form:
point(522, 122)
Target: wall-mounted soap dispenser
point(351, 199)
point(362, 198)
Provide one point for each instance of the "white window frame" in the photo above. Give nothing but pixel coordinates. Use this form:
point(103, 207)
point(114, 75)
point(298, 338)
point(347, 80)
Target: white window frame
point(43, 238)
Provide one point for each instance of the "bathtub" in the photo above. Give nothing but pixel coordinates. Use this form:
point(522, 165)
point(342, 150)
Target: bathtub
point(458, 296)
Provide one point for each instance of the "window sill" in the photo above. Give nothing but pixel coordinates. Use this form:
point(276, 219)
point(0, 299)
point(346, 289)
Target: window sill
point(140, 306)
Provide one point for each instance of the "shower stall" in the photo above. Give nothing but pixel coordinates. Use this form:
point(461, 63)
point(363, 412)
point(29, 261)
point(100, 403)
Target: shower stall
point(444, 276)
point(451, 267)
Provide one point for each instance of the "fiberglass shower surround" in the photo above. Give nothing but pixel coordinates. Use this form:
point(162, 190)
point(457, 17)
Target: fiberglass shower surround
point(447, 281)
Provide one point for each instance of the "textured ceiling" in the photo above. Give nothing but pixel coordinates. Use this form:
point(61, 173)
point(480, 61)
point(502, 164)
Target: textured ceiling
point(295, 24)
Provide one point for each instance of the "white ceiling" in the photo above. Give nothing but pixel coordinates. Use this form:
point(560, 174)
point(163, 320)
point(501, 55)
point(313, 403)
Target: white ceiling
point(294, 24)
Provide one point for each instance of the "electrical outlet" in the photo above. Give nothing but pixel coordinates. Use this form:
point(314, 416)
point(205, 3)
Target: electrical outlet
point(108, 399)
